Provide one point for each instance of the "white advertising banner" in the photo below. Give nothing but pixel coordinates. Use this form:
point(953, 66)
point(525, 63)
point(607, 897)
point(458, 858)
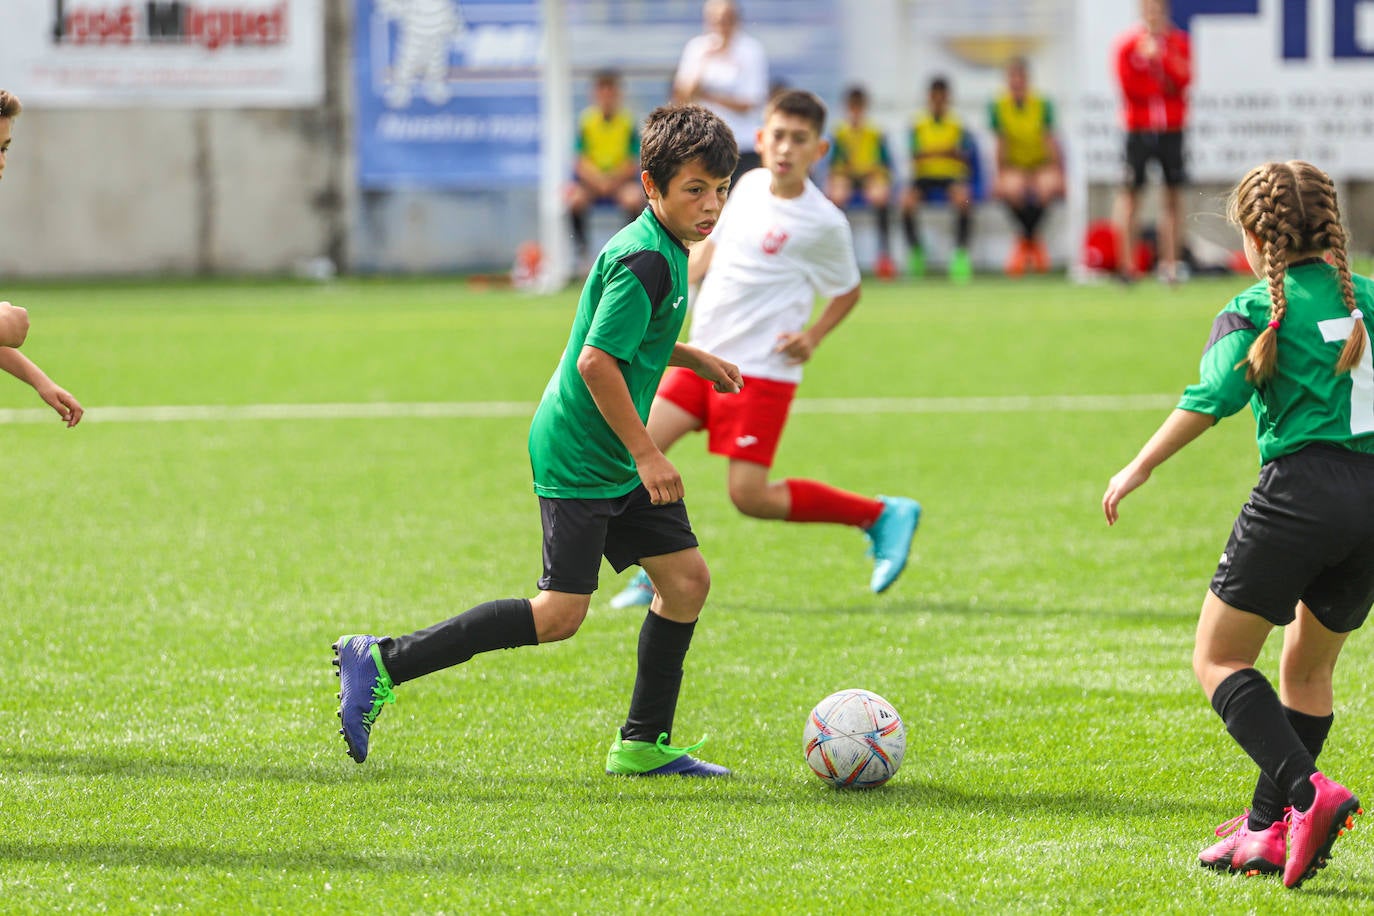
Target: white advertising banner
point(127, 53)
point(1272, 79)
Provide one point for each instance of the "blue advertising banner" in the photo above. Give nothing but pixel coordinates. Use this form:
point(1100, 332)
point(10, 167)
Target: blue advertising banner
point(447, 93)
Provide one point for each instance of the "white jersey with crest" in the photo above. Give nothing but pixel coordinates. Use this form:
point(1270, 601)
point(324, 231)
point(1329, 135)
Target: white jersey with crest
point(773, 256)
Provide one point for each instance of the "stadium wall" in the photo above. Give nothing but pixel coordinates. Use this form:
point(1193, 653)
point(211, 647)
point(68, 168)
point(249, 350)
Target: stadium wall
point(130, 191)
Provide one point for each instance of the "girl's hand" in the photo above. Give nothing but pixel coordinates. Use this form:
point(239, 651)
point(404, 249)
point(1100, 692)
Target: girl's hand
point(1127, 479)
point(60, 400)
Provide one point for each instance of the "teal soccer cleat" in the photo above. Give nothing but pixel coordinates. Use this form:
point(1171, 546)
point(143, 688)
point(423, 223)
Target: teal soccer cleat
point(891, 538)
point(638, 593)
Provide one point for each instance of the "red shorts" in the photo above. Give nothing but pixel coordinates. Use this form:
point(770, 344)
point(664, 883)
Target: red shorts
point(747, 425)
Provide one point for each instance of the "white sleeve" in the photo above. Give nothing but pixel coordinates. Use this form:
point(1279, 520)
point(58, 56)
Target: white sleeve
point(833, 267)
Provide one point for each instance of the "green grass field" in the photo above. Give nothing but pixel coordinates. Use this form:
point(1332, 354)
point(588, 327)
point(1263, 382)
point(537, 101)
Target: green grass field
point(171, 588)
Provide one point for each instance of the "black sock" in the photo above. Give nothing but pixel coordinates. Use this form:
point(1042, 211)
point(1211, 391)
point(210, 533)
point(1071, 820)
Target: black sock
point(579, 230)
point(1269, 800)
point(963, 228)
point(501, 624)
point(1254, 716)
point(909, 230)
point(663, 645)
point(1034, 213)
point(1018, 213)
point(884, 236)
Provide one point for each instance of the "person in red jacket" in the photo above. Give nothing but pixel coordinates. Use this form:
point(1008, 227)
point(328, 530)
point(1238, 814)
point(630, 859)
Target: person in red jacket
point(1154, 67)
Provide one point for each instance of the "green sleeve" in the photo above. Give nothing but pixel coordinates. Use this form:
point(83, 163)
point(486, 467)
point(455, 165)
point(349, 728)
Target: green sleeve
point(1222, 389)
point(993, 119)
point(1049, 113)
point(634, 143)
point(621, 317)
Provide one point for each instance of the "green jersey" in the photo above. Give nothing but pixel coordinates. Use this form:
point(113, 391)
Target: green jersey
point(632, 307)
point(1305, 401)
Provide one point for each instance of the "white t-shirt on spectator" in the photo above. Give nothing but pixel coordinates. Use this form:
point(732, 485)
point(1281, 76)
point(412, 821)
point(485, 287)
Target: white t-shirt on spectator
point(773, 257)
point(740, 72)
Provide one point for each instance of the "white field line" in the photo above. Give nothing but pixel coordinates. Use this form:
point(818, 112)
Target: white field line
point(507, 409)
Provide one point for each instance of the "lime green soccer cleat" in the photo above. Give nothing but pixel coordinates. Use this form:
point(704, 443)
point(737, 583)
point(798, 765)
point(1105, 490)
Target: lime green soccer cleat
point(641, 758)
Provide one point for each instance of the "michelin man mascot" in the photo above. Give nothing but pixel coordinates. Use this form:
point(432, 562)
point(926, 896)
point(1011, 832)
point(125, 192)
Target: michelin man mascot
point(427, 33)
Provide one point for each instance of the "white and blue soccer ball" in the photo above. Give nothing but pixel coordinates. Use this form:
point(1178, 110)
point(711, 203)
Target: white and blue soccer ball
point(854, 739)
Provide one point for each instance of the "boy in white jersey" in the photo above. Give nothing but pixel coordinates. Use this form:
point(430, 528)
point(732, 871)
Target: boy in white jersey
point(779, 244)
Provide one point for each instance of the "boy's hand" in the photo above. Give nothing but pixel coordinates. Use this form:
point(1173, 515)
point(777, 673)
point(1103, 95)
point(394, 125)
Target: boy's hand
point(14, 325)
point(660, 478)
point(797, 347)
point(726, 375)
point(60, 400)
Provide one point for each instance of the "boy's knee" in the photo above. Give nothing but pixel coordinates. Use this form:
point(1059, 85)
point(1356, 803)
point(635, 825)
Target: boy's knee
point(685, 588)
point(555, 621)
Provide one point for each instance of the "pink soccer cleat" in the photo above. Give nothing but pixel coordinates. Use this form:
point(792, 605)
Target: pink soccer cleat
point(1254, 852)
point(1311, 833)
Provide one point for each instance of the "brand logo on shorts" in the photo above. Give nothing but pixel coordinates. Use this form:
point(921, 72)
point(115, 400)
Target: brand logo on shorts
point(679, 301)
point(746, 441)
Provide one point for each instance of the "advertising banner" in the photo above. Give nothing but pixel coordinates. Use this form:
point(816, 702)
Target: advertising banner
point(173, 53)
point(1272, 80)
point(447, 93)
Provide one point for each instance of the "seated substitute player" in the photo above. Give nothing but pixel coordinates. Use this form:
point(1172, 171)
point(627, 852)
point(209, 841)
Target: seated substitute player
point(14, 321)
point(1030, 172)
point(779, 244)
point(607, 166)
point(1295, 347)
point(861, 170)
point(604, 488)
point(940, 169)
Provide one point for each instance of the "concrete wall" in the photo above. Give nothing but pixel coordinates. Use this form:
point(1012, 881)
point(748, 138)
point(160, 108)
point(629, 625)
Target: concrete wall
point(154, 191)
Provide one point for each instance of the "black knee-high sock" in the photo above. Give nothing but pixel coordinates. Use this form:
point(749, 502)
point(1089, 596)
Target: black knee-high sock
point(1018, 213)
point(579, 230)
point(909, 230)
point(1254, 716)
point(963, 227)
point(884, 235)
point(663, 645)
point(1034, 213)
point(501, 624)
point(1269, 800)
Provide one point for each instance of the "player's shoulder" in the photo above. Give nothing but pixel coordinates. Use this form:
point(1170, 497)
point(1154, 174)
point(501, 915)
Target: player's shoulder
point(822, 207)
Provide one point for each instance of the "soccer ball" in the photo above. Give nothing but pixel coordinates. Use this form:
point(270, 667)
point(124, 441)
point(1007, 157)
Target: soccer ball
point(854, 739)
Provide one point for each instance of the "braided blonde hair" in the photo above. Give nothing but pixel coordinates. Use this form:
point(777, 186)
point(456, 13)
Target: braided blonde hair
point(9, 105)
point(1291, 208)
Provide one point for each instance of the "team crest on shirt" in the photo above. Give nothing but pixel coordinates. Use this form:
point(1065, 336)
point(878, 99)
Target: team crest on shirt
point(774, 240)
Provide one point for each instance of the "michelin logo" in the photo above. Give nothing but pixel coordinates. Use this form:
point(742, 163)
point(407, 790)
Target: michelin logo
point(433, 38)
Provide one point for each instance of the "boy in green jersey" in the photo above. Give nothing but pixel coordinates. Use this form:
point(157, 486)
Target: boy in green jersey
point(1296, 348)
point(604, 488)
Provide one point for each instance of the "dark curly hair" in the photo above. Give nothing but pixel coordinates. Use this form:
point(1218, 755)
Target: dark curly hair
point(675, 135)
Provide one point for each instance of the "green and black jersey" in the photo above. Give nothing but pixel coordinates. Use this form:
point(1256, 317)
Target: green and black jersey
point(633, 306)
point(1305, 401)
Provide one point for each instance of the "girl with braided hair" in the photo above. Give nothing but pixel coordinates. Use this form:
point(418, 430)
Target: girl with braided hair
point(1296, 348)
point(14, 321)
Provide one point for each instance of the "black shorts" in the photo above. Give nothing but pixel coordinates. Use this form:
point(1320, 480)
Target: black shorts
point(579, 532)
point(1306, 533)
point(1165, 148)
point(937, 188)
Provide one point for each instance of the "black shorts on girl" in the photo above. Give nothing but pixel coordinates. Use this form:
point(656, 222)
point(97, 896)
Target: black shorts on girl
point(1306, 534)
point(578, 532)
